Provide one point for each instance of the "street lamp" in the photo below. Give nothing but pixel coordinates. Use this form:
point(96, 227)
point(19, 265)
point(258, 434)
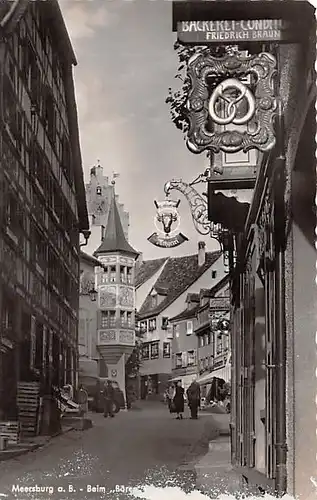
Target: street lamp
point(93, 294)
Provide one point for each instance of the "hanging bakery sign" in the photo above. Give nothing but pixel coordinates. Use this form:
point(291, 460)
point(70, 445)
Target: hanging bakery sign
point(167, 222)
point(232, 31)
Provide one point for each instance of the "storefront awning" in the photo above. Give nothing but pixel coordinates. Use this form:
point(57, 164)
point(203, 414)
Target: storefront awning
point(223, 373)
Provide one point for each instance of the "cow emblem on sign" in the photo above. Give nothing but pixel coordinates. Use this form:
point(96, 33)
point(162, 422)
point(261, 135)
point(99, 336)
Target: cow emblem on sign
point(167, 222)
point(234, 101)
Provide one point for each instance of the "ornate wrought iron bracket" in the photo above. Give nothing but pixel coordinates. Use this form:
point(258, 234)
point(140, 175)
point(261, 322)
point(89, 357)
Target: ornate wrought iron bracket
point(220, 96)
point(198, 206)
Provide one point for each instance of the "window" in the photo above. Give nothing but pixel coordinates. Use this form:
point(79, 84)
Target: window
point(122, 274)
point(178, 360)
point(112, 318)
point(154, 350)
point(40, 250)
point(112, 274)
point(129, 275)
point(105, 276)
point(129, 318)
point(189, 328)
point(213, 274)
point(153, 301)
point(143, 326)
point(108, 319)
point(50, 115)
point(164, 323)
point(201, 341)
point(12, 209)
point(122, 318)
point(152, 324)
point(166, 350)
point(145, 351)
point(66, 160)
point(191, 358)
point(98, 190)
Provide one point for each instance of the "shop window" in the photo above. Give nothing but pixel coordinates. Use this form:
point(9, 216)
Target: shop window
point(191, 358)
point(189, 328)
point(145, 351)
point(154, 350)
point(166, 350)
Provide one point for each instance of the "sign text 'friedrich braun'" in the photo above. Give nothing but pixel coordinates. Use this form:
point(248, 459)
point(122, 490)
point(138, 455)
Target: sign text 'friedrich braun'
point(233, 31)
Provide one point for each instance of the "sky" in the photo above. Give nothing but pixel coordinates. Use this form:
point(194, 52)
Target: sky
point(126, 63)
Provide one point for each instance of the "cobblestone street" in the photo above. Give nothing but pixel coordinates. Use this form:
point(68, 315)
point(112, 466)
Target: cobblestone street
point(140, 446)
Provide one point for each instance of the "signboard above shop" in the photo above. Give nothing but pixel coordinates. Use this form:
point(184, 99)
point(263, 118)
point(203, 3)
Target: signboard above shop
point(204, 22)
point(231, 31)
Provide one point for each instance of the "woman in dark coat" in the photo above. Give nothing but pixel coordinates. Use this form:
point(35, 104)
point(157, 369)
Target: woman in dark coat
point(179, 400)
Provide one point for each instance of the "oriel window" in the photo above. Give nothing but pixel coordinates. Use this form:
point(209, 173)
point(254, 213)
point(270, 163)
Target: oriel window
point(112, 274)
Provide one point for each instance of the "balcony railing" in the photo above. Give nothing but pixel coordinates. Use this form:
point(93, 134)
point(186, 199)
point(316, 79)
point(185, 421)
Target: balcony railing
point(116, 337)
point(117, 323)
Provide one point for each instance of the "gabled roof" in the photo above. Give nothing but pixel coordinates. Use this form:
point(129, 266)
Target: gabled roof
point(115, 240)
point(178, 275)
point(147, 269)
point(88, 258)
point(186, 314)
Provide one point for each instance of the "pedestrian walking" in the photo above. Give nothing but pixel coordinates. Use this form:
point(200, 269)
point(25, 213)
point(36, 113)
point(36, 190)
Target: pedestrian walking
point(108, 395)
point(178, 400)
point(193, 395)
point(170, 396)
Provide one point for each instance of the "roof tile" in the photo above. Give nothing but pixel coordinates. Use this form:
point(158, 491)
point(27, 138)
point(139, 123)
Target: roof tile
point(177, 276)
point(147, 269)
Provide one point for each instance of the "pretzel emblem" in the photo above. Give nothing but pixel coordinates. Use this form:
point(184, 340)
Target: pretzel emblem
point(231, 109)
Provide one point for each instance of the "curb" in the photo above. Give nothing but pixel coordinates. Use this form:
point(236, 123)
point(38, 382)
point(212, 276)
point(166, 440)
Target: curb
point(11, 454)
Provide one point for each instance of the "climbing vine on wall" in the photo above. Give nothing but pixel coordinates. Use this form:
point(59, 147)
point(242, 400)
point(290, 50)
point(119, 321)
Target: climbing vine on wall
point(177, 97)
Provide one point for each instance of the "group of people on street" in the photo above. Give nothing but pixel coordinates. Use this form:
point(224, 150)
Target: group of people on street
point(176, 400)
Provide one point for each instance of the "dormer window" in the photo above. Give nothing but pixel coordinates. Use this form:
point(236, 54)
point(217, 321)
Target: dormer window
point(153, 299)
point(98, 190)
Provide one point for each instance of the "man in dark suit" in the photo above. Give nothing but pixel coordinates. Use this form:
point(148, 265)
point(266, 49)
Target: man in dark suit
point(193, 395)
point(108, 395)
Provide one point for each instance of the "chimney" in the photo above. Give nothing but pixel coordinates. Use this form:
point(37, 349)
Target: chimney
point(201, 253)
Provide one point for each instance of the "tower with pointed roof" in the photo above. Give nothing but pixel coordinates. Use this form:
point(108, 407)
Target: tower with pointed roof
point(99, 192)
point(114, 280)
